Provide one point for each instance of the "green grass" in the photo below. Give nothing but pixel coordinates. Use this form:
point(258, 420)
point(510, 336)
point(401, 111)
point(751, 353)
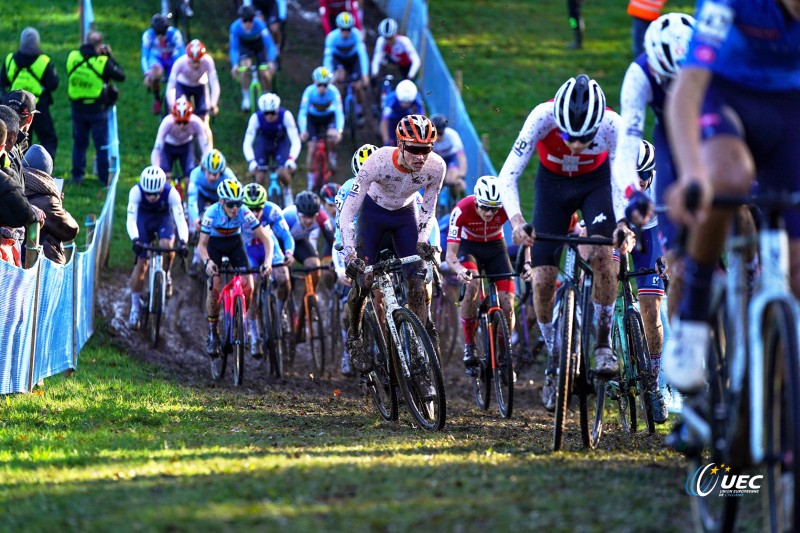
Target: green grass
point(124, 446)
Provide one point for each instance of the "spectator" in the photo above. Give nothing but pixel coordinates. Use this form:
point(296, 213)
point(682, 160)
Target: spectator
point(11, 120)
point(30, 70)
point(23, 103)
point(576, 23)
point(41, 191)
point(15, 210)
point(89, 69)
point(642, 13)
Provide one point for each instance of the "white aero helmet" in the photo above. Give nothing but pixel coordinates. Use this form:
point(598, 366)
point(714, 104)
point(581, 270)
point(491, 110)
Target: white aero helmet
point(666, 42)
point(579, 106)
point(487, 192)
point(152, 180)
point(269, 103)
point(387, 28)
point(646, 163)
point(406, 91)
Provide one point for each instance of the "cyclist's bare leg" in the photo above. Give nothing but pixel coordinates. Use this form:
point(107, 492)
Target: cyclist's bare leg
point(333, 141)
point(417, 298)
point(244, 79)
point(168, 257)
point(311, 149)
point(675, 270)
point(507, 305)
point(469, 305)
point(284, 176)
point(604, 290)
point(260, 176)
point(152, 79)
point(313, 262)
point(650, 309)
point(138, 274)
point(544, 292)
point(212, 298)
point(275, 30)
point(265, 78)
point(282, 278)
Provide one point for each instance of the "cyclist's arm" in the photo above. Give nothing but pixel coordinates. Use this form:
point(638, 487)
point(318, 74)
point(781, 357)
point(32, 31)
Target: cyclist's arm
point(429, 200)
point(634, 97)
point(294, 137)
point(435, 238)
point(173, 78)
point(163, 131)
point(178, 43)
point(265, 236)
point(249, 137)
point(233, 43)
point(269, 44)
point(176, 208)
point(202, 133)
point(363, 58)
point(532, 131)
point(353, 204)
point(302, 113)
point(338, 111)
point(191, 201)
point(213, 80)
point(325, 226)
point(416, 62)
point(377, 56)
point(281, 230)
point(134, 199)
point(145, 59)
point(202, 246)
point(608, 134)
point(327, 54)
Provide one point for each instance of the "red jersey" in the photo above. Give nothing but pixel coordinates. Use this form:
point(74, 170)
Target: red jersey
point(328, 9)
point(559, 159)
point(466, 224)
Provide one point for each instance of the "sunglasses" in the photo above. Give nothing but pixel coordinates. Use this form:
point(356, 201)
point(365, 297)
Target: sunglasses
point(247, 20)
point(231, 205)
point(418, 150)
point(270, 113)
point(489, 208)
point(583, 139)
point(322, 85)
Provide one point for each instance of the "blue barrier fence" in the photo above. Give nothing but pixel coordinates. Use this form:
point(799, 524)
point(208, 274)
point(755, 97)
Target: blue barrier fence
point(48, 310)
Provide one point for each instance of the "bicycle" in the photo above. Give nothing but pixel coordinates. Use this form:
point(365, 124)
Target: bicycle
point(350, 107)
point(574, 343)
point(275, 189)
point(753, 375)
point(233, 334)
point(154, 302)
point(338, 293)
point(493, 349)
point(445, 314)
point(630, 344)
point(273, 333)
point(407, 359)
point(308, 325)
point(321, 170)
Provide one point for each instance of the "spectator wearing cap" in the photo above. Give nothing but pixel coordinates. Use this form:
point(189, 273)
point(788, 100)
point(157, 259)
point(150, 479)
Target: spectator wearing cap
point(15, 210)
point(23, 103)
point(89, 70)
point(28, 69)
point(41, 191)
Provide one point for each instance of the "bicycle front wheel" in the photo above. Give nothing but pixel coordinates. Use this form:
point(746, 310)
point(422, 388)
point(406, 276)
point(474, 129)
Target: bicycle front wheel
point(503, 367)
point(621, 390)
point(334, 321)
point(316, 337)
point(155, 314)
point(564, 378)
point(237, 338)
point(782, 417)
point(423, 386)
point(483, 372)
point(591, 412)
point(381, 384)
point(286, 336)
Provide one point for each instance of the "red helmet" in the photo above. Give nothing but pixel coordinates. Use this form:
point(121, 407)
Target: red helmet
point(416, 129)
point(195, 50)
point(182, 110)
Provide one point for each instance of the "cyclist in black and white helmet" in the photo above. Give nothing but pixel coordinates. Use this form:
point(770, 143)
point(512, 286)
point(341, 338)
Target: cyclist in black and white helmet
point(575, 136)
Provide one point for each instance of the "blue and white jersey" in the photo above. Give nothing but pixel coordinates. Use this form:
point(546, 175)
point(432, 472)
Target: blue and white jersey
point(257, 37)
point(336, 43)
point(171, 48)
point(393, 110)
point(201, 189)
point(272, 218)
point(747, 42)
point(217, 224)
point(315, 104)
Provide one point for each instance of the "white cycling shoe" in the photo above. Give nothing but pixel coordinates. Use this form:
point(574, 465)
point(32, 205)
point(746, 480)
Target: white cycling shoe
point(684, 355)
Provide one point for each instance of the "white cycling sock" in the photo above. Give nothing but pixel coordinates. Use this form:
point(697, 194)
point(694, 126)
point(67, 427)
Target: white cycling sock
point(548, 332)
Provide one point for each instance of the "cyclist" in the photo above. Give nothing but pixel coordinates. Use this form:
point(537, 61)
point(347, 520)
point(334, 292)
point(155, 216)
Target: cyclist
point(475, 241)
point(307, 219)
point(194, 76)
point(273, 130)
point(154, 208)
point(320, 117)
point(741, 84)
point(221, 236)
point(203, 182)
point(251, 44)
point(328, 195)
point(383, 195)
point(330, 9)
point(394, 49)
point(273, 13)
point(575, 136)
point(450, 147)
point(174, 140)
point(346, 55)
point(270, 215)
point(404, 101)
point(162, 44)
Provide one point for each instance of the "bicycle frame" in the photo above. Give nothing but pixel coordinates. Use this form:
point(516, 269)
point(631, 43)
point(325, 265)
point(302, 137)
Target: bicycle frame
point(156, 265)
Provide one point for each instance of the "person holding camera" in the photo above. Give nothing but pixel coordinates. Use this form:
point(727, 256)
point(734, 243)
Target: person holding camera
point(89, 71)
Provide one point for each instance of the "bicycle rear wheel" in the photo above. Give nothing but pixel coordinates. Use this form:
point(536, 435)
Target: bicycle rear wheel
point(237, 338)
point(286, 336)
point(483, 372)
point(626, 401)
point(782, 436)
point(155, 315)
point(316, 337)
point(504, 367)
point(423, 387)
point(639, 357)
point(564, 377)
point(381, 384)
point(351, 118)
point(334, 321)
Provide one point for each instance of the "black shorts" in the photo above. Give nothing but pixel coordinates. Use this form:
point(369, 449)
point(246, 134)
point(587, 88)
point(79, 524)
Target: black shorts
point(350, 64)
point(318, 125)
point(303, 250)
point(558, 197)
point(491, 257)
point(230, 247)
point(255, 50)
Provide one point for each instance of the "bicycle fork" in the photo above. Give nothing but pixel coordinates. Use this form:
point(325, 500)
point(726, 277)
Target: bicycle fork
point(155, 268)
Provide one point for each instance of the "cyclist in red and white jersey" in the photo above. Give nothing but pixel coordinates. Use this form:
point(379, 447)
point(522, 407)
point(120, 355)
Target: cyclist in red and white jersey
point(575, 136)
point(194, 75)
point(475, 241)
point(330, 9)
point(394, 49)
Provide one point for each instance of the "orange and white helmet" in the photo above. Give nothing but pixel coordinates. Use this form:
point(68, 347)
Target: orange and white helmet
point(416, 129)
